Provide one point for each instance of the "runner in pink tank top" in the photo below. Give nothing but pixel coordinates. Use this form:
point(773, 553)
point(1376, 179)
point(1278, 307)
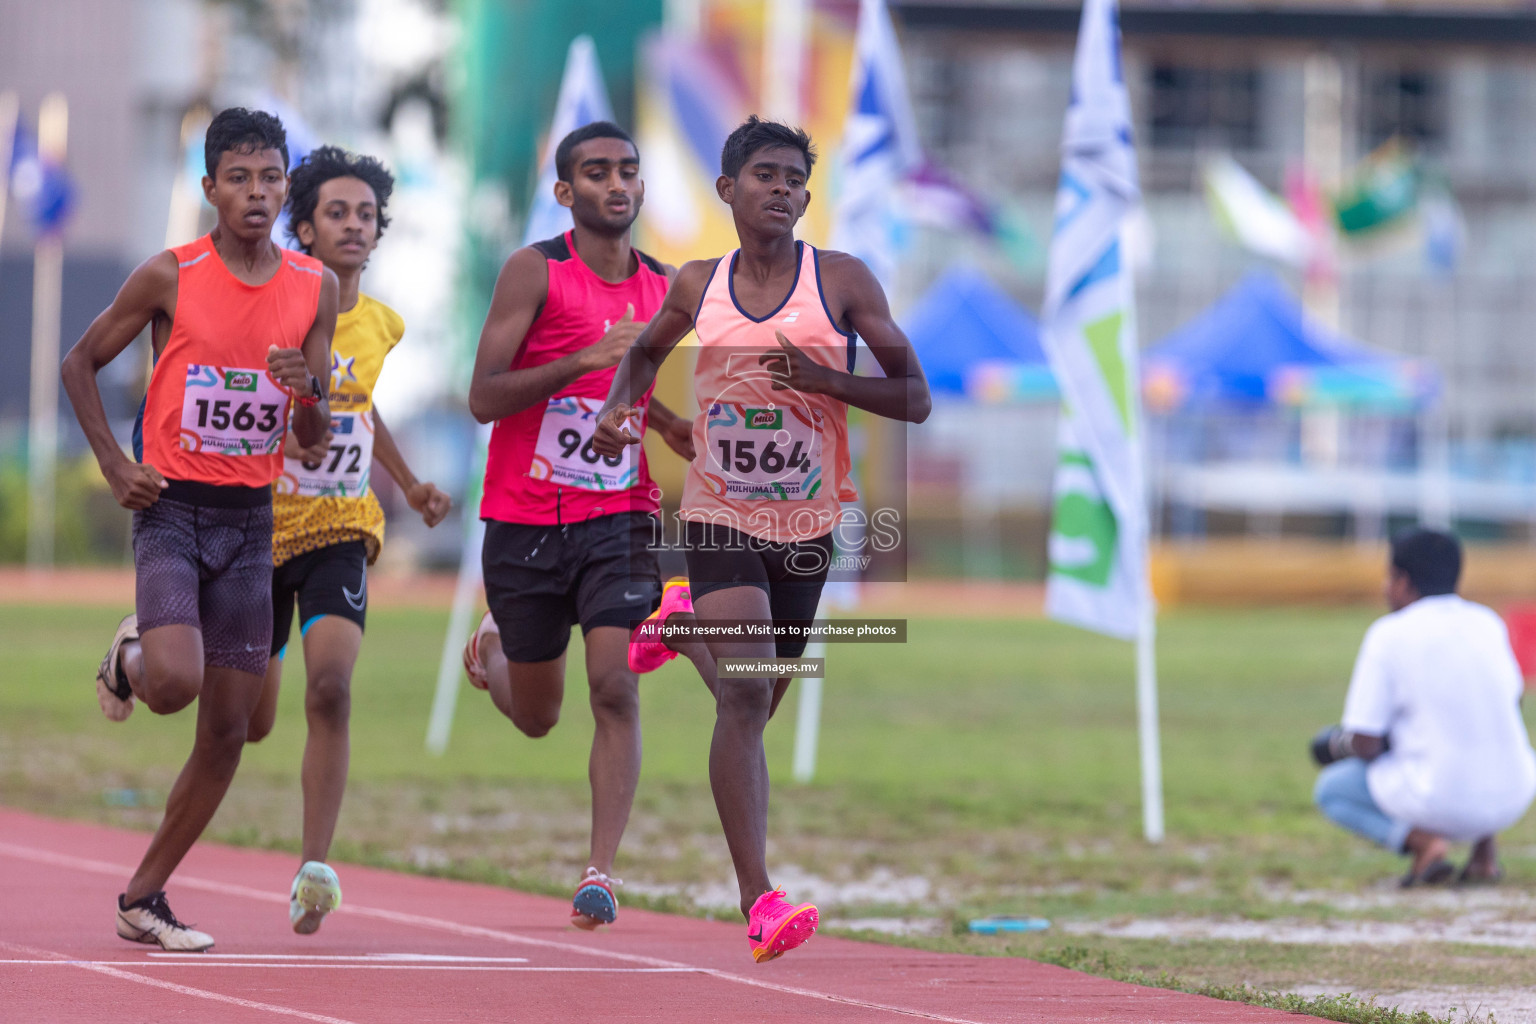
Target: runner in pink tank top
point(568, 532)
point(776, 321)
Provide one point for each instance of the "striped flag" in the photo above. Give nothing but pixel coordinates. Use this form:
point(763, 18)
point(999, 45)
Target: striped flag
point(1098, 543)
point(880, 146)
point(583, 99)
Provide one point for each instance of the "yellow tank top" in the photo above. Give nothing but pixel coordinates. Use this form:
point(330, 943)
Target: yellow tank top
point(773, 464)
point(316, 505)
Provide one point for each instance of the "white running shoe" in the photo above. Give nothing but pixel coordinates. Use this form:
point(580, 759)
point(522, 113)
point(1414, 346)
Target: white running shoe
point(112, 691)
point(316, 892)
point(150, 920)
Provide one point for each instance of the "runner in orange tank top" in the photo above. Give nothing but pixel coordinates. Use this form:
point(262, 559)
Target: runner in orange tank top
point(776, 322)
point(242, 334)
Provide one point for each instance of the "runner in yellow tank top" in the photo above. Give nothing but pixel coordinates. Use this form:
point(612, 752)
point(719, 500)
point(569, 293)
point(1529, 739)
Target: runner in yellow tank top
point(758, 537)
point(327, 525)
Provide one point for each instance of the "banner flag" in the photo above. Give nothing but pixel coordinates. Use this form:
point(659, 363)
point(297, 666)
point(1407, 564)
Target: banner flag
point(583, 99)
point(880, 147)
point(1098, 543)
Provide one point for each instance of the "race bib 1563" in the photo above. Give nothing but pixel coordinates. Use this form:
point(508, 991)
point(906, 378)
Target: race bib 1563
point(344, 469)
point(564, 454)
point(232, 411)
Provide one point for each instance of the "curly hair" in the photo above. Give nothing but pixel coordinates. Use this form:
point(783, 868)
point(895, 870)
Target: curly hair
point(237, 130)
point(321, 166)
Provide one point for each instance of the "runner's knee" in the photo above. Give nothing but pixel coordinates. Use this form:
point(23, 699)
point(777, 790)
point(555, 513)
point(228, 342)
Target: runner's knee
point(749, 699)
point(328, 697)
point(616, 696)
point(168, 691)
point(535, 722)
point(218, 747)
point(260, 726)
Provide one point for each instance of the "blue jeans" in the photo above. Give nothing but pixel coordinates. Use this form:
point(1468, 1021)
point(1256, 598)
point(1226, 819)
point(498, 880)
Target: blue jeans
point(1342, 794)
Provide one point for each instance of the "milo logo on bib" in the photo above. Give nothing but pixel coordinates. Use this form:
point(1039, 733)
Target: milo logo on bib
point(239, 380)
point(765, 419)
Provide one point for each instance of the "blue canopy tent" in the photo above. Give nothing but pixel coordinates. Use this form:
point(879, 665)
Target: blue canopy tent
point(1255, 348)
point(974, 340)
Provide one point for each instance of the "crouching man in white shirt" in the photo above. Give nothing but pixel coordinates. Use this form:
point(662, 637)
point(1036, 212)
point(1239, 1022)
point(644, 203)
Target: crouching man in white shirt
point(1432, 749)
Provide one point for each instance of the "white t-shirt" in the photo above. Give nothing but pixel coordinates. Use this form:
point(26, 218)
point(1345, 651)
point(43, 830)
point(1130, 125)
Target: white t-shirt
point(1439, 678)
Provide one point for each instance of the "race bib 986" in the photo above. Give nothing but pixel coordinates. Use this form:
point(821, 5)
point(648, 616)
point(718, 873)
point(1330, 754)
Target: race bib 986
point(564, 454)
point(232, 411)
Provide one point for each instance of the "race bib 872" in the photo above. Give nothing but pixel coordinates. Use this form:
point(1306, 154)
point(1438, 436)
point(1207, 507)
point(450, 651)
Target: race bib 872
point(232, 411)
point(343, 471)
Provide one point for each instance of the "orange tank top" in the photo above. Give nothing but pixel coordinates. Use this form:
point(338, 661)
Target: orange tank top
point(213, 413)
point(773, 464)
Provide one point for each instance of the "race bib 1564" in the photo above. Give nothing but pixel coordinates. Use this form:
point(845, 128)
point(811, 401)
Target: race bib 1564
point(232, 411)
point(770, 452)
point(564, 454)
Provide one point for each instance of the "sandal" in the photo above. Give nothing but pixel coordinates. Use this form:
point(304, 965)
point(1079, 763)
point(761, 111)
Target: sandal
point(1467, 877)
point(1435, 873)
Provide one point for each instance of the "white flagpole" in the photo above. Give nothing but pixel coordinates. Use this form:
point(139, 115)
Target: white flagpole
point(1146, 719)
point(446, 697)
point(47, 302)
point(10, 110)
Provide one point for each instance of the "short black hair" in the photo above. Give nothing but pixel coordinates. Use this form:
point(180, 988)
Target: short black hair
point(593, 130)
point(754, 134)
point(1430, 558)
point(237, 130)
point(324, 164)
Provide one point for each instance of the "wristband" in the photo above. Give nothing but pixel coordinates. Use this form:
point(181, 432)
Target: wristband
point(314, 394)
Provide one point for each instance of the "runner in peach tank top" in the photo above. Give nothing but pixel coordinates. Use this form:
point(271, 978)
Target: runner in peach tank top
point(772, 463)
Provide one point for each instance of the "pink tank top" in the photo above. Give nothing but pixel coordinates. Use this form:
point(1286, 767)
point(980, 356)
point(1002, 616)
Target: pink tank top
point(773, 464)
point(540, 467)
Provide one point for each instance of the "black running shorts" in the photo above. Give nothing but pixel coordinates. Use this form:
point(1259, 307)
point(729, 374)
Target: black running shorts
point(791, 574)
point(202, 556)
point(541, 580)
point(332, 580)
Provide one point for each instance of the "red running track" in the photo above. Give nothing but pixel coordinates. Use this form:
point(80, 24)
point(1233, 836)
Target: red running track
point(409, 950)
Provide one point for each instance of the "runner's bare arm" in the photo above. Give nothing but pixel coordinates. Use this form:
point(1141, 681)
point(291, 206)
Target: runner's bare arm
point(148, 294)
point(423, 497)
point(496, 390)
point(299, 369)
point(676, 430)
point(859, 305)
point(637, 370)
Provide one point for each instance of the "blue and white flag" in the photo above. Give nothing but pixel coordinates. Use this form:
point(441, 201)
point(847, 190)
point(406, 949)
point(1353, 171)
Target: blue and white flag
point(880, 146)
point(583, 99)
point(1098, 544)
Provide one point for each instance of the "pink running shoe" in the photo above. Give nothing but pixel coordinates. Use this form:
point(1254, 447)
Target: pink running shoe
point(594, 903)
point(472, 665)
point(775, 927)
point(650, 655)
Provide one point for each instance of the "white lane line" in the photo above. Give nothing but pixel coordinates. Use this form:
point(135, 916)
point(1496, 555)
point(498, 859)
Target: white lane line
point(269, 965)
point(424, 957)
point(51, 859)
point(171, 986)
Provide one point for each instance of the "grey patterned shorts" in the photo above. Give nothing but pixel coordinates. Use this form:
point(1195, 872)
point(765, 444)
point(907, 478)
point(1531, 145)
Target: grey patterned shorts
point(210, 568)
